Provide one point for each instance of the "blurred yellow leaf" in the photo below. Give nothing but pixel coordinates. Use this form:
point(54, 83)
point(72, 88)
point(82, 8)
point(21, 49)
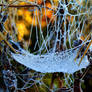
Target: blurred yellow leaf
point(22, 30)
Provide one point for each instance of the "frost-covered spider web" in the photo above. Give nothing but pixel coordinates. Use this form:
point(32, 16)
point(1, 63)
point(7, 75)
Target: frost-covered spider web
point(55, 27)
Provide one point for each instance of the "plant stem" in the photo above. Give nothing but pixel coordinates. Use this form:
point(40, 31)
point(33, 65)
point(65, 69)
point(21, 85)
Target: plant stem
point(2, 36)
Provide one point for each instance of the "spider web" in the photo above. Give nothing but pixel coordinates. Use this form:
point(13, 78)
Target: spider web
point(53, 50)
point(53, 47)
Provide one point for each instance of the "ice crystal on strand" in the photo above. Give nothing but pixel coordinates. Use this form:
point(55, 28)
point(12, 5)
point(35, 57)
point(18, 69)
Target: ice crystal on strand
point(52, 62)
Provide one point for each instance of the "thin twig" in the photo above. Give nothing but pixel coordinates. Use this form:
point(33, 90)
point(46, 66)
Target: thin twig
point(26, 6)
point(85, 72)
point(81, 47)
point(19, 6)
point(2, 36)
point(85, 51)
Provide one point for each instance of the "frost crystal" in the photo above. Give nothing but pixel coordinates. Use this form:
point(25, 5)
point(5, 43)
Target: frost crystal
point(52, 62)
